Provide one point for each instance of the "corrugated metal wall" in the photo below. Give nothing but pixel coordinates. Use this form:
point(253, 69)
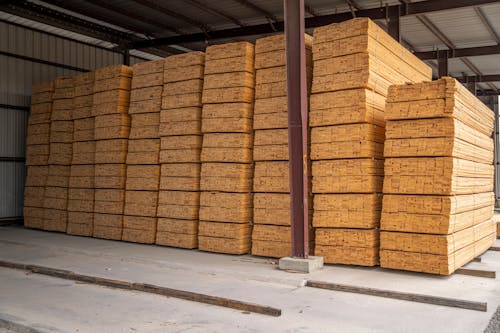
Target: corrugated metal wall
point(16, 78)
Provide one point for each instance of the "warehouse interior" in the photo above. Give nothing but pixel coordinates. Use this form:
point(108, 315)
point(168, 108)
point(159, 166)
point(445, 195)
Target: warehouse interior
point(57, 282)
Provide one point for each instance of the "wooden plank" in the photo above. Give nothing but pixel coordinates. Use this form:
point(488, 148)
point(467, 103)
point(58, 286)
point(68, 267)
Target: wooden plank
point(147, 288)
point(412, 297)
point(435, 214)
point(437, 99)
point(476, 272)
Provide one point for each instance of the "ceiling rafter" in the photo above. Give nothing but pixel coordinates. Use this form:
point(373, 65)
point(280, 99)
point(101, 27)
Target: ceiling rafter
point(121, 23)
point(310, 10)
point(251, 5)
point(157, 6)
point(214, 11)
point(412, 8)
point(135, 16)
point(444, 39)
point(62, 20)
point(487, 24)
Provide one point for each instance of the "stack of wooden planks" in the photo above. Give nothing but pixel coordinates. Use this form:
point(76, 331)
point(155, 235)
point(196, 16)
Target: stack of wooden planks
point(354, 64)
point(143, 166)
point(438, 200)
point(227, 170)
point(60, 156)
point(112, 126)
point(180, 131)
point(496, 219)
point(37, 154)
point(271, 235)
point(81, 180)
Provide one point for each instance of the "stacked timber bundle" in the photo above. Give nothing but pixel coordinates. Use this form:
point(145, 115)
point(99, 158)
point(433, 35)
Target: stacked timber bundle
point(496, 220)
point(226, 155)
point(438, 202)
point(143, 167)
point(354, 64)
point(180, 131)
point(37, 154)
point(81, 181)
point(111, 129)
point(60, 155)
point(271, 202)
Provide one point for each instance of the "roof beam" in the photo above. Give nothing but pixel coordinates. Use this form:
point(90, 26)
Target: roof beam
point(157, 6)
point(488, 93)
point(487, 24)
point(442, 56)
point(249, 4)
point(61, 20)
point(461, 52)
point(480, 78)
point(310, 10)
point(435, 31)
point(213, 11)
point(134, 15)
point(73, 23)
point(412, 8)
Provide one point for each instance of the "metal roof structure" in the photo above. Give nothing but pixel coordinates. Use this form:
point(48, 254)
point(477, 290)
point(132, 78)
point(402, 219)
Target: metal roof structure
point(460, 37)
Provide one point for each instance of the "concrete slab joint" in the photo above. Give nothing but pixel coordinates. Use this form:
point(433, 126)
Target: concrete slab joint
point(302, 265)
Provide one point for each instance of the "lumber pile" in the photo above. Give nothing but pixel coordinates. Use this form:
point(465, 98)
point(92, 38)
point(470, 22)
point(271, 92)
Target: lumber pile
point(271, 184)
point(496, 220)
point(438, 202)
point(355, 62)
point(143, 167)
point(111, 129)
point(226, 171)
point(60, 156)
point(37, 154)
point(81, 181)
point(180, 132)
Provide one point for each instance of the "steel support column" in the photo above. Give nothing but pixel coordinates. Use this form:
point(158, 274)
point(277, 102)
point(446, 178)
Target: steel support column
point(442, 63)
point(297, 126)
point(393, 25)
point(126, 57)
point(470, 82)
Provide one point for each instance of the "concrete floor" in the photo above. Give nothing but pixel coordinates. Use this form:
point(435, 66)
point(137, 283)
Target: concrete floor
point(56, 305)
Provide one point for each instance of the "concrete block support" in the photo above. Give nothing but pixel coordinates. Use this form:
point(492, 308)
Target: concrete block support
point(308, 265)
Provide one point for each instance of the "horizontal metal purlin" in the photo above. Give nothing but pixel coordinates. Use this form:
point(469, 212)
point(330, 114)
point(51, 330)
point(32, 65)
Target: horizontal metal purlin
point(480, 78)
point(65, 38)
point(44, 62)
point(12, 159)
point(379, 13)
point(14, 107)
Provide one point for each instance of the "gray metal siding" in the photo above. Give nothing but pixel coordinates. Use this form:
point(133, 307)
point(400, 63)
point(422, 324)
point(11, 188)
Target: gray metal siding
point(16, 78)
point(12, 132)
point(11, 189)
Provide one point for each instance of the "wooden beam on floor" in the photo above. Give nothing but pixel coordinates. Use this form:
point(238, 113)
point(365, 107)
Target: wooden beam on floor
point(147, 288)
point(476, 272)
point(420, 298)
point(495, 248)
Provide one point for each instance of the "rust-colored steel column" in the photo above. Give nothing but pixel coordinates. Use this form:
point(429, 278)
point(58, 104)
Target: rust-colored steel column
point(470, 82)
point(394, 24)
point(442, 58)
point(297, 125)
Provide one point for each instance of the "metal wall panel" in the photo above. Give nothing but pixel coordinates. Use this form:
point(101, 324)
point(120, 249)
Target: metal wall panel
point(17, 77)
point(12, 132)
point(11, 189)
